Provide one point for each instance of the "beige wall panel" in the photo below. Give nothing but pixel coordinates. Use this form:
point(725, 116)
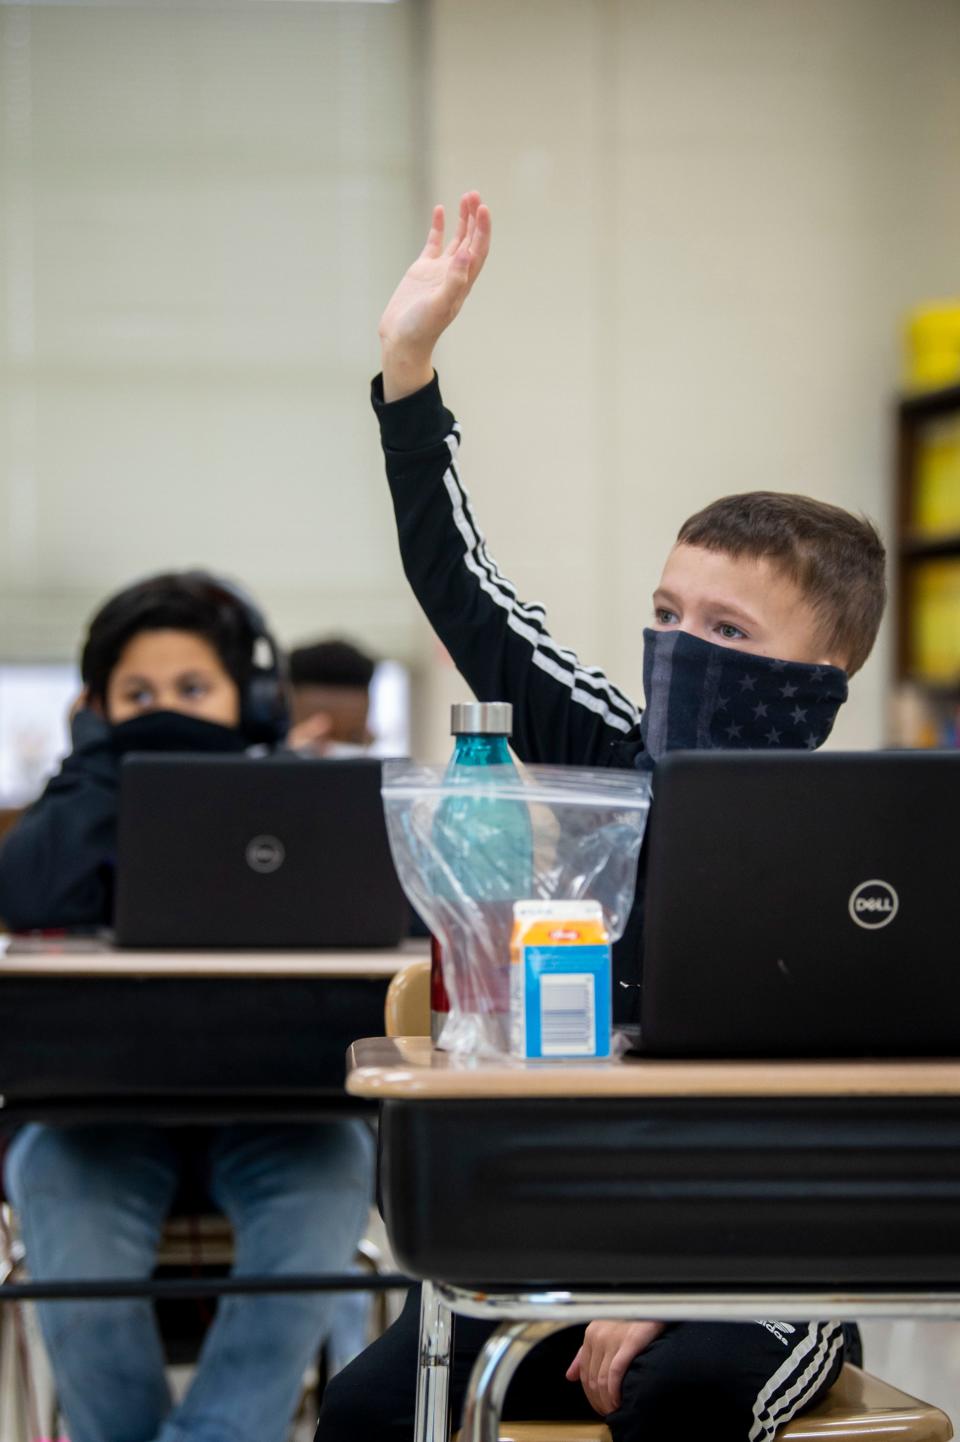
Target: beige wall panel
point(515, 114)
point(203, 208)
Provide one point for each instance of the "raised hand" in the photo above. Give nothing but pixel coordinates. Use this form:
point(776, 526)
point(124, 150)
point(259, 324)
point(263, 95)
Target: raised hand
point(430, 295)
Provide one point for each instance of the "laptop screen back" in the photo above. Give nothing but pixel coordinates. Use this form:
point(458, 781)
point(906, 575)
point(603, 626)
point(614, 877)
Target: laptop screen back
point(802, 905)
point(234, 851)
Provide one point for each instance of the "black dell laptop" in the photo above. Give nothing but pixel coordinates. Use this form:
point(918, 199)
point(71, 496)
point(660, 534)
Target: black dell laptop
point(237, 851)
point(803, 905)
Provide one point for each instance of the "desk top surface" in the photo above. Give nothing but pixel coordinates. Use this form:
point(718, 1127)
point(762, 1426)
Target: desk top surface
point(92, 958)
point(409, 1068)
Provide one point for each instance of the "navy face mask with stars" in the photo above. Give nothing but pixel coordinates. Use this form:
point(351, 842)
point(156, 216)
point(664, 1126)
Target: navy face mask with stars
point(705, 697)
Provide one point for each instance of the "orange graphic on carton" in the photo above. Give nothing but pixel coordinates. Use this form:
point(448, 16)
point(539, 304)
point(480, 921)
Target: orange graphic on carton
point(556, 923)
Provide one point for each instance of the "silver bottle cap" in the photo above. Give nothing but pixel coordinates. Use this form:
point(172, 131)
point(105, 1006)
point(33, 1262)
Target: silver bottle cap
point(481, 718)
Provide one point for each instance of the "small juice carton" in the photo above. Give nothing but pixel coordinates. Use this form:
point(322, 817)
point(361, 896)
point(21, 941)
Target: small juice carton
point(560, 980)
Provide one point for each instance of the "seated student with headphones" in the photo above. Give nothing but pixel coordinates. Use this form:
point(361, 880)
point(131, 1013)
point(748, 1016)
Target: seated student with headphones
point(175, 662)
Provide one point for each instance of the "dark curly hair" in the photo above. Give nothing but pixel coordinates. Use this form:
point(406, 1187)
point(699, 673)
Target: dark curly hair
point(174, 601)
point(331, 663)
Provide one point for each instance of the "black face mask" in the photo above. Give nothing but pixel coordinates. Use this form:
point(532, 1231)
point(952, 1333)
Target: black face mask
point(701, 696)
point(173, 731)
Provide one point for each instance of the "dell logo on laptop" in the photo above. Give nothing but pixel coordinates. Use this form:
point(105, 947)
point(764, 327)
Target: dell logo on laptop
point(265, 854)
point(873, 904)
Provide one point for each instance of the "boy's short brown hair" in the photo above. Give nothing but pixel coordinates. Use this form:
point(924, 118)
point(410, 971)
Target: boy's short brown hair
point(836, 559)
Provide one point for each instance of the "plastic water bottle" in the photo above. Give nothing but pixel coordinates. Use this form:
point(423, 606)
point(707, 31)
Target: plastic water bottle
point(487, 844)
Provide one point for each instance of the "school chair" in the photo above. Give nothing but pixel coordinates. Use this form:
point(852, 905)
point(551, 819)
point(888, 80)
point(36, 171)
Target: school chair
point(28, 1407)
point(858, 1405)
point(407, 1008)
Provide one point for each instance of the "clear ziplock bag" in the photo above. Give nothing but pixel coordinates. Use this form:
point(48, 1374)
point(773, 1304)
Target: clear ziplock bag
point(469, 844)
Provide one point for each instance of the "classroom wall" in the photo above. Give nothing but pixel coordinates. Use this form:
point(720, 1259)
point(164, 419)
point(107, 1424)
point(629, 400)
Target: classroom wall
point(201, 208)
point(709, 218)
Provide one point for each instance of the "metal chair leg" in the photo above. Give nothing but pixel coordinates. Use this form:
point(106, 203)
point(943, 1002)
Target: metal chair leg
point(433, 1377)
point(500, 1357)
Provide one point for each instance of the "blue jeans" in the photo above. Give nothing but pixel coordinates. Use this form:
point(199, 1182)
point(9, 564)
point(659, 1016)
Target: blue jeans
point(92, 1200)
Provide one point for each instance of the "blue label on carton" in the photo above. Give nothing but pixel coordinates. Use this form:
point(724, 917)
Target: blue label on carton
point(564, 1006)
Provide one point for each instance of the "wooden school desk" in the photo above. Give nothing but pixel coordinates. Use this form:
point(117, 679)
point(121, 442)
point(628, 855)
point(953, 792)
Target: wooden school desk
point(89, 1032)
point(541, 1194)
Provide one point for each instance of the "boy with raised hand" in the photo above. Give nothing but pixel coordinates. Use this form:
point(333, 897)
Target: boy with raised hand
point(767, 603)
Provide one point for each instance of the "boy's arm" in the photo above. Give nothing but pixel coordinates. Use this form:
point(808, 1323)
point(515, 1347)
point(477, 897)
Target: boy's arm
point(56, 865)
point(563, 712)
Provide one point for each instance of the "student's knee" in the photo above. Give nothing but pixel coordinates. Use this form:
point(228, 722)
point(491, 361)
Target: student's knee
point(374, 1398)
point(678, 1388)
point(252, 1166)
point(90, 1203)
point(355, 1409)
point(659, 1406)
point(339, 1420)
point(725, 1381)
point(95, 1163)
point(50, 1162)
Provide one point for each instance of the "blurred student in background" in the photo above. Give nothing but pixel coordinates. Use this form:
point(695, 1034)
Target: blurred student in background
point(178, 662)
point(330, 698)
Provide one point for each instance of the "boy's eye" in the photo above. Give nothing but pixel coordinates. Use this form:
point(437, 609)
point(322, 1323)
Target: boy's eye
point(731, 633)
point(665, 617)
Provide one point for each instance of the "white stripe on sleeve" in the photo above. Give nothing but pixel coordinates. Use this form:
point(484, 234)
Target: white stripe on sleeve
point(589, 686)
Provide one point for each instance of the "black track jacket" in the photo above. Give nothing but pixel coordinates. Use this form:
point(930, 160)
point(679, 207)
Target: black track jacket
point(564, 713)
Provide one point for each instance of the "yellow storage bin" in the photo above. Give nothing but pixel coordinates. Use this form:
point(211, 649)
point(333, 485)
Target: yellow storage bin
point(933, 345)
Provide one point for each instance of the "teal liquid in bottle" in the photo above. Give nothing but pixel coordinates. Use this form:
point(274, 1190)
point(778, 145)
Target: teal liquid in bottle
point(486, 844)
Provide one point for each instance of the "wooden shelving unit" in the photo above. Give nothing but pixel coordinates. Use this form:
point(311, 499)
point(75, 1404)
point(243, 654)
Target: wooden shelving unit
point(917, 416)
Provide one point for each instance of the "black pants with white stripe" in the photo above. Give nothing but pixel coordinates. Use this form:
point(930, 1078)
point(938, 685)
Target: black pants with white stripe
point(729, 1381)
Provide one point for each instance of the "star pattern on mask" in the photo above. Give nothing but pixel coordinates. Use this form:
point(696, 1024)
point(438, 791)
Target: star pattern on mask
point(711, 697)
point(771, 703)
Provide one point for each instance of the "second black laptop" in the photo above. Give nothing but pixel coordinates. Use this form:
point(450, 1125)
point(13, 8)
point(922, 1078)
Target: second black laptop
point(236, 851)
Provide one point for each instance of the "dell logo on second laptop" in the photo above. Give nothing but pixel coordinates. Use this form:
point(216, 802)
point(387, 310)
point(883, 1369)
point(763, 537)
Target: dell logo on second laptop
point(874, 904)
point(265, 854)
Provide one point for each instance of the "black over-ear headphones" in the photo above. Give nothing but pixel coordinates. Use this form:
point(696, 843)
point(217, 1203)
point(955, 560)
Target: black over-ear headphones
point(264, 712)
